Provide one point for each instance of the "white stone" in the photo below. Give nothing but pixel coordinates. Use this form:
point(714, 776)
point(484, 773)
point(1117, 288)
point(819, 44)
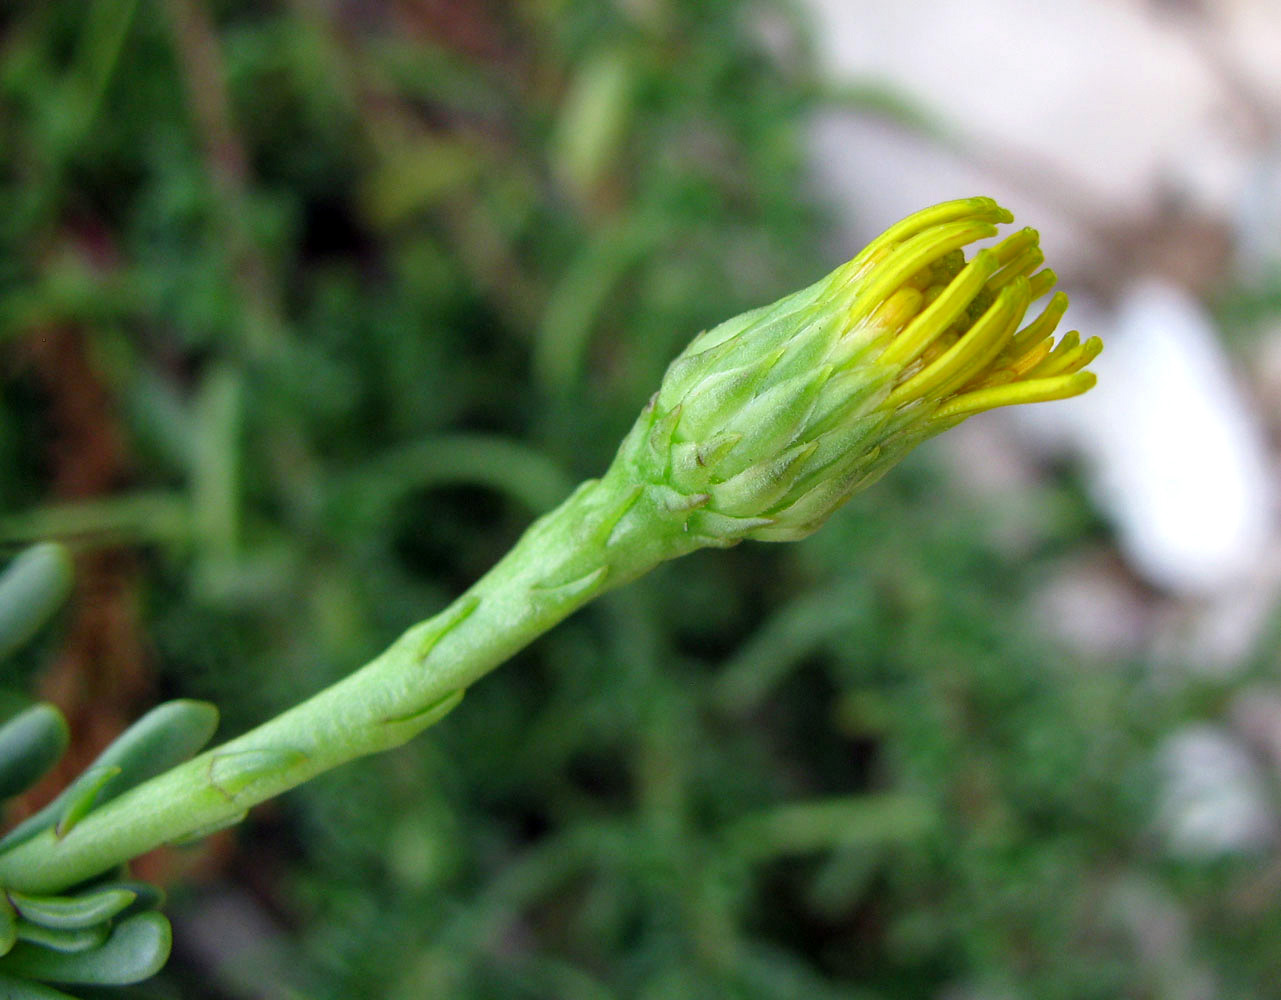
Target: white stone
point(1214, 801)
point(1079, 116)
point(1180, 462)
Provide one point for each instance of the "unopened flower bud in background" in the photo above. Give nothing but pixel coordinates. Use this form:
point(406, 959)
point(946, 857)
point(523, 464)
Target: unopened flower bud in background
point(768, 422)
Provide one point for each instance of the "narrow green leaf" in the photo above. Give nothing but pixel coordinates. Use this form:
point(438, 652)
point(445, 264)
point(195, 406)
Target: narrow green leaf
point(578, 300)
point(30, 744)
point(157, 517)
point(136, 949)
point(593, 118)
point(67, 940)
point(31, 589)
point(215, 463)
point(521, 472)
point(824, 824)
point(70, 912)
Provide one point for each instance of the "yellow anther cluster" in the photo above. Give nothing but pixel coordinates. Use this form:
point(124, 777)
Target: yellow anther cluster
point(956, 328)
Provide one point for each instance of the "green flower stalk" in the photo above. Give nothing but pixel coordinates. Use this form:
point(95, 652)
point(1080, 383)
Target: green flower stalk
point(761, 429)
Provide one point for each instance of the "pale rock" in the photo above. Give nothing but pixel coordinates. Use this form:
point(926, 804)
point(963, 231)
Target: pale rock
point(1179, 460)
point(1214, 801)
point(1256, 714)
point(1095, 608)
point(1080, 116)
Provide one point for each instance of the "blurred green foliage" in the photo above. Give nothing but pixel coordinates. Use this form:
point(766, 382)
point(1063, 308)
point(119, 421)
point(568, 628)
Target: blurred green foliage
point(312, 306)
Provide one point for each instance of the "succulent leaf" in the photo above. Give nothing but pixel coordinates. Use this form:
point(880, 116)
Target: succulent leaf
point(102, 935)
point(30, 743)
point(135, 950)
point(32, 587)
point(164, 737)
point(74, 912)
point(69, 940)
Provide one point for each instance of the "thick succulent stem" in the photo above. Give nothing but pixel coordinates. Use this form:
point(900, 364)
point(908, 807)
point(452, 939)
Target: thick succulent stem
point(608, 532)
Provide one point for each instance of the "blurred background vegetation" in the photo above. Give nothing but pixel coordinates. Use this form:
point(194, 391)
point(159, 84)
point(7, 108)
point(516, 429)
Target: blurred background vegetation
point(307, 309)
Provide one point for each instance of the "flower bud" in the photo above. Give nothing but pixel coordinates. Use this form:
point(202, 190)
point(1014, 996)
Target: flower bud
point(768, 422)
